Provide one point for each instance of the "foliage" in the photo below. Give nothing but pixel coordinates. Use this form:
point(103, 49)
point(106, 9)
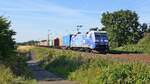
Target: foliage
point(122, 27)
point(7, 77)
point(31, 42)
point(92, 70)
point(14, 69)
point(130, 73)
point(143, 46)
point(20, 67)
point(144, 27)
point(6, 40)
point(18, 70)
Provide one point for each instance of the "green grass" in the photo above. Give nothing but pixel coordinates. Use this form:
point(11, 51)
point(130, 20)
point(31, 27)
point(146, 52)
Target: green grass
point(7, 77)
point(143, 46)
point(92, 70)
point(14, 70)
point(130, 73)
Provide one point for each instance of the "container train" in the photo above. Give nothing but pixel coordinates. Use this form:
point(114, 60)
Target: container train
point(91, 40)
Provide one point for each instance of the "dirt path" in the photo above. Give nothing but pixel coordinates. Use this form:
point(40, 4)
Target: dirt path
point(43, 76)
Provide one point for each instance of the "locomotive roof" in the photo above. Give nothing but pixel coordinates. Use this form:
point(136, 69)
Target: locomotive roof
point(98, 31)
point(90, 32)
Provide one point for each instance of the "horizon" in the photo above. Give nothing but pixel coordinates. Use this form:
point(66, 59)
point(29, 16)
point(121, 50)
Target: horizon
point(32, 19)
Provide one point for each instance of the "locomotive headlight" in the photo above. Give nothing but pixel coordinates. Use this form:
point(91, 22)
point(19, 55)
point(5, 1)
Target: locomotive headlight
point(97, 40)
point(105, 40)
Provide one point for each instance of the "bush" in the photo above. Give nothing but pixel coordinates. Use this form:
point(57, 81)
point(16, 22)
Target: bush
point(113, 74)
point(15, 71)
point(126, 74)
point(7, 77)
point(143, 46)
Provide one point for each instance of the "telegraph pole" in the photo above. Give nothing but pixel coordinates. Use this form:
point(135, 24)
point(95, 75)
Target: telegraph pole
point(48, 37)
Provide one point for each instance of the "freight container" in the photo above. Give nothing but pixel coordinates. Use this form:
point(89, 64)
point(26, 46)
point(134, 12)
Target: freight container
point(57, 42)
point(66, 41)
point(51, 42)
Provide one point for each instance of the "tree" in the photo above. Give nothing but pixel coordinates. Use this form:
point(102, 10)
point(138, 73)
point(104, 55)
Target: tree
point(6, 40)
point(122, 27)
point(148, 30)
point(144, 27)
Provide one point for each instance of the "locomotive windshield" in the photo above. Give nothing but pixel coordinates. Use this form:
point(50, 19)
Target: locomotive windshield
point(98, 36)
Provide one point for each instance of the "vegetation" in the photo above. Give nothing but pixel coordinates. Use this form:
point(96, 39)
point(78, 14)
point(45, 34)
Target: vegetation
point(16, 71)
point(24, 49)
point(6, 41)
point(13, 67)
point(143, 46)
point(8, 77)
point(31, 42)
point(92, 70)
point(123, 27)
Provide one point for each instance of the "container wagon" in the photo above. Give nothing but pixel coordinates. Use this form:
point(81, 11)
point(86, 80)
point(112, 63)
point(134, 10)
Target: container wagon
point(56, 43)
point(66, 41)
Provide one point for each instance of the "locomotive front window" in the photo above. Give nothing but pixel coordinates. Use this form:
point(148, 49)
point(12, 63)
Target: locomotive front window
point(99, 35)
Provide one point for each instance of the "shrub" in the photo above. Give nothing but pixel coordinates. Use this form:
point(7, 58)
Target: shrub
point(7, 77)
point(125, 73)
point(143, 46)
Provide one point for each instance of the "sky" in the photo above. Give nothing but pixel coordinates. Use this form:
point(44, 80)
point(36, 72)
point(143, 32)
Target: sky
point(32, 19)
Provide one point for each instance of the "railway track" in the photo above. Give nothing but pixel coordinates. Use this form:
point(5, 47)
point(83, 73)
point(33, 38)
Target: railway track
point(116, 56)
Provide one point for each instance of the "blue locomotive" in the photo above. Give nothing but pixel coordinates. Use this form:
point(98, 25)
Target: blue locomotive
point(92, 40)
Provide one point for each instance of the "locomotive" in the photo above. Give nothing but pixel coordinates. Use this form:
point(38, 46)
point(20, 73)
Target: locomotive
point(91, 40)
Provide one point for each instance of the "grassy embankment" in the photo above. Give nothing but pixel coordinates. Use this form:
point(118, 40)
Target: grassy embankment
point(92, 69)
point(143, 46)
point(15, 71)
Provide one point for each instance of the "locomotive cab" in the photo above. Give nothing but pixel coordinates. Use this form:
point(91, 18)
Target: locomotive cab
point(99, 40)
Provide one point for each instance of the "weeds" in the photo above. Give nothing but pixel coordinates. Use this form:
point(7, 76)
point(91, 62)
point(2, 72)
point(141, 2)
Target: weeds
point(74, 66)
point(14, 70)
point(143, 46)
point(7, 77)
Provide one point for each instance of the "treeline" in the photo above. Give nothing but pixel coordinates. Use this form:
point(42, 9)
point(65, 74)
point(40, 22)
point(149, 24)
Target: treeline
point(123, 27)
point(31, 42)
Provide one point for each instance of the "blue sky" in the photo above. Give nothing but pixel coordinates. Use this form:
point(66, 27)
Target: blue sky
point(32, 19)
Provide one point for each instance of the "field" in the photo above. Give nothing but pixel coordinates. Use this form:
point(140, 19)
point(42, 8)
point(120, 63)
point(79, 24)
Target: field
point(89, 68)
